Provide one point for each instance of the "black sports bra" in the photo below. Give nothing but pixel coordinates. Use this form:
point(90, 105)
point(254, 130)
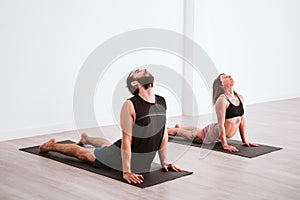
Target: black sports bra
point(234, 111)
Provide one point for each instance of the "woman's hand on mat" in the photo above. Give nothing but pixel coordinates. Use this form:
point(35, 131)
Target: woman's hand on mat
point(132, 177)
point(172, 167)
point(249, 144)
point(230, 148)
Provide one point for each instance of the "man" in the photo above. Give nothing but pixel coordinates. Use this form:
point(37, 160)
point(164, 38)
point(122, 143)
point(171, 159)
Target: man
point(143, 119)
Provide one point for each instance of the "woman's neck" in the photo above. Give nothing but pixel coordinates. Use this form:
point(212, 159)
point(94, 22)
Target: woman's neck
point(229, 92)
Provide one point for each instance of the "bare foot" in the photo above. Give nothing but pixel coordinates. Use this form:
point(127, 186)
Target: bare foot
point(177, 126)
point(82, 140)
point(172, 131)
point(47, 146)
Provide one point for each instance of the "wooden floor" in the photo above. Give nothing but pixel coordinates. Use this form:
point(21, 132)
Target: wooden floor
point(216, 175)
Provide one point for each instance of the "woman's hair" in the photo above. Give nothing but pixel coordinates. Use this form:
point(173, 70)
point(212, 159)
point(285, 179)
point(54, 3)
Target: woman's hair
point(218, 89)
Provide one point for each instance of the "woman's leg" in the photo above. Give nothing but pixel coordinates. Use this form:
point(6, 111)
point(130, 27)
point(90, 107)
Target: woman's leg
point(186, 127)
point(173, 131)
point(68, 149)
point(95, 141)
point(211, 133)
point(195, 134)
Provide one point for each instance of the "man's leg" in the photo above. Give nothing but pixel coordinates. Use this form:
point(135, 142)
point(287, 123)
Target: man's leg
point(95, 141)
point(68, 149)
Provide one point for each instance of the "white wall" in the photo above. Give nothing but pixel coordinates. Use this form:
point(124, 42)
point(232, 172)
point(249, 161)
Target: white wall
point(257, 41)
point(44, 44)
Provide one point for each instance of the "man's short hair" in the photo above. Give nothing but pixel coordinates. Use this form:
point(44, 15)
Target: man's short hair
point(132, 89)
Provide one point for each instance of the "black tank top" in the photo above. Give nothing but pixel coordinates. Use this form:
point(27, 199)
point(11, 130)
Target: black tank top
point(149, 125)
point(147, 131)
point(234, 111)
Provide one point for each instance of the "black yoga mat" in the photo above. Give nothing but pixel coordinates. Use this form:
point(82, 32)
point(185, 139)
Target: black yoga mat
point(249, 152)
point(156, 176)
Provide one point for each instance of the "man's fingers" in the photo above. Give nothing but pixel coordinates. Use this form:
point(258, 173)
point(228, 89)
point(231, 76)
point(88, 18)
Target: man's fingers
point(176, 169)
point(248, 144)
point(233, 149)
point(131, 179)
point(134, 178)
point(128, 180)
point(140, 176)
point(137, 178)
point(172, 167)
point(166, 168)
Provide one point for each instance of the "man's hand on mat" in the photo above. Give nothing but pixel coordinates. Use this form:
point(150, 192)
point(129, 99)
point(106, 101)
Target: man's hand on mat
point(249, 144)
point(168, 167)
point(230, 148)
point(132, 177)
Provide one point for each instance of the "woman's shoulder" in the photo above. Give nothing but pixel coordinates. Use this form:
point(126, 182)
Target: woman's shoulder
point(240, 96)
point(222, 99)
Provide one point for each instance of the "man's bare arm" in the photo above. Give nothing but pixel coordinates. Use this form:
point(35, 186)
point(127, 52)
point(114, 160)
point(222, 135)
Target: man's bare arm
point(127, 118)
point(163, 154)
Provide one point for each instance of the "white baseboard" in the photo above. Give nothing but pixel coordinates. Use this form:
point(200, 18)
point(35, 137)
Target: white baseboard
point(30, 132)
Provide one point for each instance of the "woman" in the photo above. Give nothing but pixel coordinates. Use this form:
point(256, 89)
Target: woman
point(229, 107)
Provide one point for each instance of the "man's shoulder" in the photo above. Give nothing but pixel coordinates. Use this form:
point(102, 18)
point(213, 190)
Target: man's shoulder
point(133, 99)
point(160, 100)
point(159, 97)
